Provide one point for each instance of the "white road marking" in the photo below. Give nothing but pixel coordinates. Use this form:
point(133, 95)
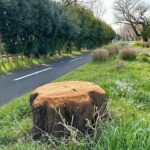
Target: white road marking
point(35, 73)
point(76, 59)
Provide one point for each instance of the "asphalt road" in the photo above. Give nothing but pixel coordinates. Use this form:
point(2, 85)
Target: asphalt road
point(20, 82)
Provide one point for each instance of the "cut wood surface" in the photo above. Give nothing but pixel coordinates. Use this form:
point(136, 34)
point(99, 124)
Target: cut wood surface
point(75, 100)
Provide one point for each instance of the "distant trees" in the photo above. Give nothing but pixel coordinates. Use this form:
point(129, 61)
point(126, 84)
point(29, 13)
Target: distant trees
point(127, 32)
point(97, 6)
point(133, 13)
point(35, 27)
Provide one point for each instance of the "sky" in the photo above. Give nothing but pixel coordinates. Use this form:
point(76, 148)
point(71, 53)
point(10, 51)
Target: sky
point(108, 14)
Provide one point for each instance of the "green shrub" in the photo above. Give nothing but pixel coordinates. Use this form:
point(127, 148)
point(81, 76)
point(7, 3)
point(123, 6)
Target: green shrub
point(100, 55)
point(128, 54)
point(144, 57)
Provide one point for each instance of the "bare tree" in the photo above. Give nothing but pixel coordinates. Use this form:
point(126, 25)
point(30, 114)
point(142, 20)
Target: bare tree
point(97, 6)
point(133, 13)
point(69, 2)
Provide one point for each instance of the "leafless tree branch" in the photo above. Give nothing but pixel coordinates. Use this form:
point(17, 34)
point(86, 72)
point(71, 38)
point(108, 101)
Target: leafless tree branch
point(132, 12)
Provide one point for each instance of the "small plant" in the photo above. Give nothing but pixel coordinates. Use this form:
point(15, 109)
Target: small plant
point(100, 55)
point(119, 65)
point(128, 54)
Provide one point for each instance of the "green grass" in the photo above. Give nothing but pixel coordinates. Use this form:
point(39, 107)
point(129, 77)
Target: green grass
point(144, 57)
point(128, 95)
point(11, 64)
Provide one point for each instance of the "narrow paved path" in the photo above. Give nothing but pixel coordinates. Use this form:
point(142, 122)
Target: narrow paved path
point(20, 82)
point(141, 50)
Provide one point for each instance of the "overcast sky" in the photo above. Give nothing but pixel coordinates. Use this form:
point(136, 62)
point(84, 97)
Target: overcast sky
point(108, 15)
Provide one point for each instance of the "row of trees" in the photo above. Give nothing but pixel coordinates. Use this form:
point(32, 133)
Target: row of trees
point(40, 27)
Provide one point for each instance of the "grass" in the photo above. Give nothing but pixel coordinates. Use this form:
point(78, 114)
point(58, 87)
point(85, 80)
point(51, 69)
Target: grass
point(11, 64)
point(128, 95)
point(144, 57)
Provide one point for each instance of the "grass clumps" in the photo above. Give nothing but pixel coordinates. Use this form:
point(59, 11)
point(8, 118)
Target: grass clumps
point(142, 44)
point(128, 54)
point(114, 48)
point(100, 55)
point(144, 58)
point(107, 51)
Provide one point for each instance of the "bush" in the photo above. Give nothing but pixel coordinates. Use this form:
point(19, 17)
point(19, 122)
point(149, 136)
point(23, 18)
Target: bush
point(100, 55)
point(128, 54)
point(112, 49)
point(121, 45)
point(144, 57)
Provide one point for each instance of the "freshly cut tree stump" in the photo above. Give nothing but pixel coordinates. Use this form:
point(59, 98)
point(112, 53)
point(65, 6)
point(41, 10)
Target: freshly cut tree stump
point(76, 101)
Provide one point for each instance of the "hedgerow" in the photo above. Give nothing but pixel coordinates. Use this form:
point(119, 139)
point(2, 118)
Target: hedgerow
point(35, 27)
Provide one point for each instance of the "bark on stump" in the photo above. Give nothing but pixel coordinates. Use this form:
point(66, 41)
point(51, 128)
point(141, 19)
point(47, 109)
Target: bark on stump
point(75, 100)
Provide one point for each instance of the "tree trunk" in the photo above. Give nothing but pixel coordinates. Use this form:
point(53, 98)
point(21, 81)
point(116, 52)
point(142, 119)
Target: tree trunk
point(69, 51)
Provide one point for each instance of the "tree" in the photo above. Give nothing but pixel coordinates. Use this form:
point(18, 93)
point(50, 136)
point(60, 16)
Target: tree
point(146, 32)
point(68, 2)
point(133, 13)
point(93, 31)
point(35, 27)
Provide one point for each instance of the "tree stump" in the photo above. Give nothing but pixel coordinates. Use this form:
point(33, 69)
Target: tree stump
point(75, 101)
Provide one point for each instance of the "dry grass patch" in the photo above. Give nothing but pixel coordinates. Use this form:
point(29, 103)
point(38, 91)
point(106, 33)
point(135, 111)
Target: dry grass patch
point(112, 49)
point(100, 55)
